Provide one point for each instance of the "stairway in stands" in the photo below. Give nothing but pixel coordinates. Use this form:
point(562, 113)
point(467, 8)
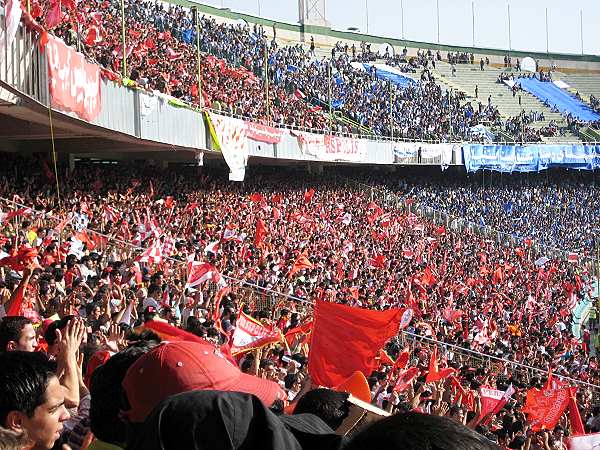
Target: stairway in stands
point(468, 76)
point(584, 84)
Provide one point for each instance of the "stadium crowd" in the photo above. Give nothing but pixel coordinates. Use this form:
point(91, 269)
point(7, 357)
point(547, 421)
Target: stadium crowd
point(557, 210)
point(105, 271)
point(161, 56)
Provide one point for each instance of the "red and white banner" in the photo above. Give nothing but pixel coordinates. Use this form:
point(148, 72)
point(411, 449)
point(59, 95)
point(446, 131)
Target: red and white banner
point(263, 133)
point(544, 407)
point(250, 334)
point(74, 82)
point(11, 19)
point(585, 442)
point(332, 148)
point(200, 272)
point(230, 135)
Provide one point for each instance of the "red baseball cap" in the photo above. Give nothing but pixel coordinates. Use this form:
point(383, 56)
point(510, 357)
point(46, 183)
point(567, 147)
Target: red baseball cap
point(175, 367)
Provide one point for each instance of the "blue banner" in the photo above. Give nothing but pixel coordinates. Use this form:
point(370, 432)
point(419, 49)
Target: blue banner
point(530, 158)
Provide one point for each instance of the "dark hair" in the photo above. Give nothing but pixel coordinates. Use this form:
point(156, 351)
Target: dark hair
point(50, 334)
point(418, 431)
point(23, 382)
point(329, 405)
point(107, 393)
point(10, 329)
point(290, 379)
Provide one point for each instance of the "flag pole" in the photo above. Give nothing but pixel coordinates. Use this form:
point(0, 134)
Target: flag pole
point(391, 111)
point(329, 92)
point(197, 23)
point(267, 82)
point(123, 38)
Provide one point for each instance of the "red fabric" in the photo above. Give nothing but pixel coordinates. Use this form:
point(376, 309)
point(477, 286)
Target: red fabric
point(434, 374)
point(574, 416)
point(16, 306)
point(261, 230)
point(544, 407)
point(346, 339)
point(308, 195)
point(405, 377)
point(301, 263)
point(291, 334)
point(378, 261)
point(79, 90)
point(256, 198)
point(53, 15)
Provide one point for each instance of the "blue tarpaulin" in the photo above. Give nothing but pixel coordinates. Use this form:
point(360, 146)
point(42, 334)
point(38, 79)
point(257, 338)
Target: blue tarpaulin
point(530, 158)
point(402, 81)
point(553, 95)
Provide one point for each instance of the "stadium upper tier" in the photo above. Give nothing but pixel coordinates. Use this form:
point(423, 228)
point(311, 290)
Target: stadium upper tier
point(248, 72)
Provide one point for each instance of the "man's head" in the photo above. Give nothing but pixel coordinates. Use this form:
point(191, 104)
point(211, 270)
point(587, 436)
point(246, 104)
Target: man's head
point(17, 333)
point(107, 394)
point(329, 405)
point(419, 432)
point(31, 398)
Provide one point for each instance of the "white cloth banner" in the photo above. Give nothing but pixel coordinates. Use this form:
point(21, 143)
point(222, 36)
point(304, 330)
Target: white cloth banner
point(332, 148)
point(10, 15)
point(408, 152)
point(230, 135)
point(147, 104)
point(561, 84)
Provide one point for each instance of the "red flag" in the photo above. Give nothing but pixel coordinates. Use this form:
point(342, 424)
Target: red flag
point(199, 272)
point(18, 212)
point(261, 230)
point(544, 407)
point(256, 198)
point(53, 15)
point(377, 262)
point(406, 376)
point(574, 416)
point(498, 276)
point(173, 55)
point(308, 195)
point(305, 328)
point(434, 374)
point(83, 237)
point(302, 262)
point(346, 339)
point(250, 334)
point(92, 36)
point(385, 359)
point(276, 213)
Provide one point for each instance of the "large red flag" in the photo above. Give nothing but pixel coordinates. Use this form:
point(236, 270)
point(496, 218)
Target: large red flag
point(346, 339)
point(544, 407)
